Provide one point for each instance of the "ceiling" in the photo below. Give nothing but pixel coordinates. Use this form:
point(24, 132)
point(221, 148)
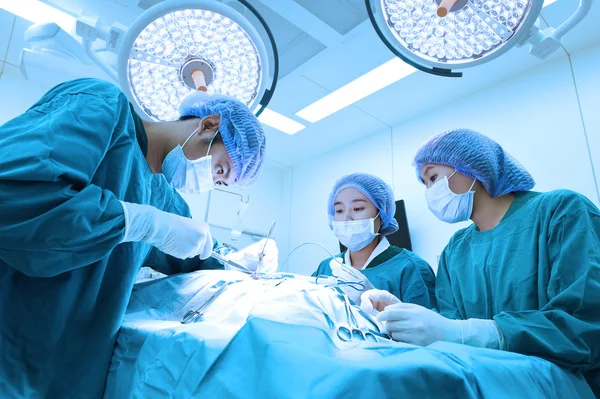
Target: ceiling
point(325, 44)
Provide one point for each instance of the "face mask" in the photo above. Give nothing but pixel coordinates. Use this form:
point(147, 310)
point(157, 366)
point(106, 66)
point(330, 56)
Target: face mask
point(355, 234)
point(448, 206)
point(191, 177)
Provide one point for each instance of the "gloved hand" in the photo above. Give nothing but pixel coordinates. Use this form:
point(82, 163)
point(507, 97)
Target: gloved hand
point(414, 324)
point(350, 275)
point(374, 301)
point(248, 257)
point(174, 235)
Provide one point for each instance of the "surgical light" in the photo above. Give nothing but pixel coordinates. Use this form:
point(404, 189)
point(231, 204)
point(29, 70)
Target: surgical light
point(177, 47)
point(438, 36)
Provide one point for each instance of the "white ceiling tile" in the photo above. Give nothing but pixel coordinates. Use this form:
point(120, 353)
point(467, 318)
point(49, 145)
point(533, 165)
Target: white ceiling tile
point(341, 15)
point(13, 82)
point(6, 24)
point(17, 41)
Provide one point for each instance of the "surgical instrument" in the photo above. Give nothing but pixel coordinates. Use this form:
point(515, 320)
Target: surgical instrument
point(191, 316)
point(224, 260)
point(262, 253)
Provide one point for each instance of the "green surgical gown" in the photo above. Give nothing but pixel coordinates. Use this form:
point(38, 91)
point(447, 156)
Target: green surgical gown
point(65, 279)
point(537, 274)
point(398, 271)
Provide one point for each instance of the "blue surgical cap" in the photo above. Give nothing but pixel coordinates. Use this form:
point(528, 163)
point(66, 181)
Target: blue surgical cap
point(376, 190)
point(242, 133)
point(478, 157)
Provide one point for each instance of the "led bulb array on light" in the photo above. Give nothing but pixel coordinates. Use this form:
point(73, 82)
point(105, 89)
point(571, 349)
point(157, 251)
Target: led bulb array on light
point(165, 45)
point(476, 30)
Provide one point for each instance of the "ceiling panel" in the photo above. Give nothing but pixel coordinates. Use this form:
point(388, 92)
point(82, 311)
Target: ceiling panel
point(329, 135)
point(422, 92)
point(17, 41)
point(309, 70)
point(341, 15)
point(338, 66)
point(295, 47)
point(124, 12)
point(6, 25)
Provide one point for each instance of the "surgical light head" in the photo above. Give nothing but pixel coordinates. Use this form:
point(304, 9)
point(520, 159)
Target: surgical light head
point(177, 47)
point(438, 36)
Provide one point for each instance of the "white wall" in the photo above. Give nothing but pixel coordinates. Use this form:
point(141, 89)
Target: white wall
point(586, 66)
point(535, 117)
point(268, 200)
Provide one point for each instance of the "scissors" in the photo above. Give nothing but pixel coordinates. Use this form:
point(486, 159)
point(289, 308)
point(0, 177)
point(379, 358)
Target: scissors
point(191, 316)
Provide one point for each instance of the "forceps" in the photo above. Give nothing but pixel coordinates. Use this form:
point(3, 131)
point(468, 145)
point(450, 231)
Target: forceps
point(191, 316)
point(347, 334)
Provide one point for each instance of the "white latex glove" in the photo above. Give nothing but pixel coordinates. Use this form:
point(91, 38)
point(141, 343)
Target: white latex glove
point(174, 235)
point(414, 324)
point(374, 301)
point(248, 257)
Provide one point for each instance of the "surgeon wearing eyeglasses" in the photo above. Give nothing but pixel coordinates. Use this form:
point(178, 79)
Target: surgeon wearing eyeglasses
point(361, 211)
point(88, 195)
point(524, 277)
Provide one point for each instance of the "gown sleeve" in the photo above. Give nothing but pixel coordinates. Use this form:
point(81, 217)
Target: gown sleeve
point(418, 285)
point(52, 218)
point(566, 330)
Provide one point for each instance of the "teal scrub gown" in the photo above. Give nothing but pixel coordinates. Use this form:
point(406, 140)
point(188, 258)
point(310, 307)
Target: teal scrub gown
point(398, 271)
point(65, 277)
point(537, 275)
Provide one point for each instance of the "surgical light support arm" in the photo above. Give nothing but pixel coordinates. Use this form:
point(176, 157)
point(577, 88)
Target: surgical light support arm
point(89, 28)
point(545, 42)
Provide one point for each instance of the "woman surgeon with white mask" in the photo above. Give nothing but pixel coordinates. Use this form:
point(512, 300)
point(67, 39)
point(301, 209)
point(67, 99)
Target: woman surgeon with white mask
point(523, 277)
point(361, 210)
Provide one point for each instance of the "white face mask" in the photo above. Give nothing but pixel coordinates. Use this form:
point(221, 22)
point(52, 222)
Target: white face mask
point(191, 177)
point(448, 206)
point(355, 234)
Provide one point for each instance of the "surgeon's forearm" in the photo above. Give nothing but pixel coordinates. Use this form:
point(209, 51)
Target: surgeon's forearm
point(169, 265)
point(553, 335)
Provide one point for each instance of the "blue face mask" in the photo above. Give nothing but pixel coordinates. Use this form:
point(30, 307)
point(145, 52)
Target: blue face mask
point(188, 176)
point(355, 234)
point(448, 206)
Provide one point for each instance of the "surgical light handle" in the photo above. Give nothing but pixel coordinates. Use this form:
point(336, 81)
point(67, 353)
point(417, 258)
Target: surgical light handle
point(199, 80)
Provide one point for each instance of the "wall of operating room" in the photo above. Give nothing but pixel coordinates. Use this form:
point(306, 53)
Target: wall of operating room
point(267, 200)
point(534, 116)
